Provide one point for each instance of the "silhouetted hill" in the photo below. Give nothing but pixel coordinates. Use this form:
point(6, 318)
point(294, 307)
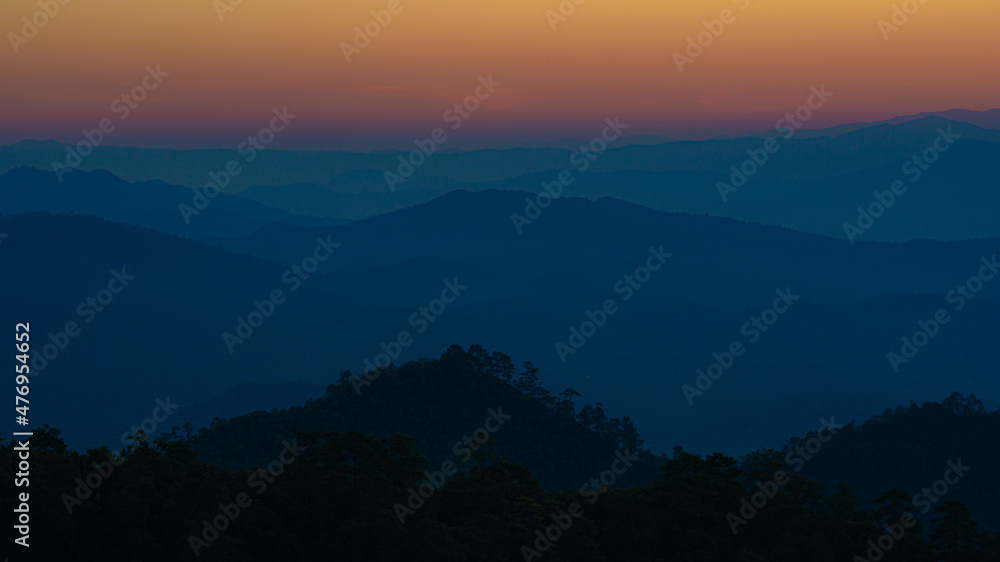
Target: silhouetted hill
point(908, 448)
point(438, 402)
point(355, 496)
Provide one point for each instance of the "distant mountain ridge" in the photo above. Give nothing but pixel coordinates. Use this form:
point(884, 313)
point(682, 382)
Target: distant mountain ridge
point(151, 204)
point(575, 144)
point(810, 184)
point(989, 119)
point(191, 168)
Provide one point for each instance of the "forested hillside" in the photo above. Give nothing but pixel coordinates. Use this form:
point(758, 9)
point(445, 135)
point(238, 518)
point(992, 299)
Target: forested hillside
point(439, 403)
point(467, 458)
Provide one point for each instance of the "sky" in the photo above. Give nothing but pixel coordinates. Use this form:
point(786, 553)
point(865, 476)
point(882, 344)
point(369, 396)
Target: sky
point(559, 76)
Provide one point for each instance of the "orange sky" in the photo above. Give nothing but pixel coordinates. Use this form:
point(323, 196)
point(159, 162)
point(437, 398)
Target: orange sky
point(608, 58)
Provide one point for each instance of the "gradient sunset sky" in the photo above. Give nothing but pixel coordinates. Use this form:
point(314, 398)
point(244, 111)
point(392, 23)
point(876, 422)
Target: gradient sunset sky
point(608, 58)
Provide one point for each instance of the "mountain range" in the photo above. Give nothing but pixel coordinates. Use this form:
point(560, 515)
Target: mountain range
point(822, 184)
point(526, 293)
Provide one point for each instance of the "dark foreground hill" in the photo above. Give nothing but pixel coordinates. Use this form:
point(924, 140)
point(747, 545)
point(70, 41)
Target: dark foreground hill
point(325, 495)
point(903, 451)
point(910, 448)
point(439, 403)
